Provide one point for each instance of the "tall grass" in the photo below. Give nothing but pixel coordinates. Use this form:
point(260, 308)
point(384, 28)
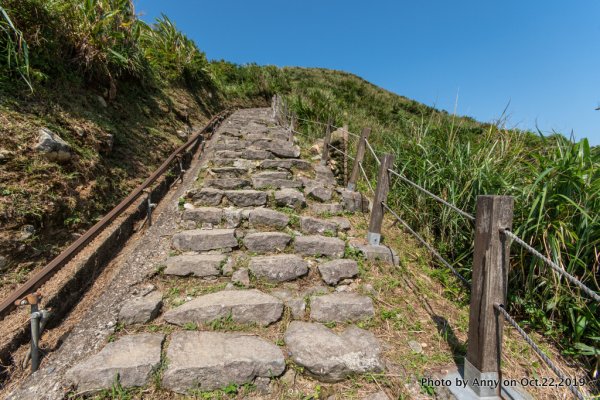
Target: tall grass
point(15, 53)
point(555, 182)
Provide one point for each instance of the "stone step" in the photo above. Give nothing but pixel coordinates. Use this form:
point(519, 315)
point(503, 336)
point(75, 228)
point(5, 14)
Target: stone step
point(288, 163)
point(243, 306)
point(330, 357)
point(203, 240)
point(266, 242)
point(341, 307)
point(269, 218)
point(294, 301)
point(214, 360)
point(227, 172)
point(228, 183)
point(328, 208)
point(200, 265)
point(289, 198)
point(132, 358)
point(279, 268)
point(333, 272)
point(312, 226)
point(252, 153)
point(207, 197)
point(354, 201)
point(316, 245)
point(246, 198)
point(200, 215)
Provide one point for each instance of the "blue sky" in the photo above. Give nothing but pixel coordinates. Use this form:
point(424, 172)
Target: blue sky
point(541, 56)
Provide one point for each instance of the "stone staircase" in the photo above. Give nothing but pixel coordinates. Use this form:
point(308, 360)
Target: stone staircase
point(264, 250)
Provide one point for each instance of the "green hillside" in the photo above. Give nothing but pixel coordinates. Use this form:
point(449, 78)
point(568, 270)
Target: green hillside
point(123, 94)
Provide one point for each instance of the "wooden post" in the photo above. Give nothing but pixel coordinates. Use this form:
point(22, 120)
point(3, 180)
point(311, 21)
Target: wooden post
point(489, 285)
point(345, 150)
point(360, 154)
point(326, 140)
point(381, 192)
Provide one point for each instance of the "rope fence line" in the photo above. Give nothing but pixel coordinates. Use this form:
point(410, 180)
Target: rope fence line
point(372, 152)
point(553, 265)
point(465, 282)
point(500, 308)
point(342, 152)
point(439, 199)
point(538, 351)
point(366, 177)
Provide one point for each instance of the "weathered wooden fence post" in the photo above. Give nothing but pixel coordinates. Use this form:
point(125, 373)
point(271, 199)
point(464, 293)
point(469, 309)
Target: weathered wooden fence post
point(489, 285)
point(360, 154)
point(381, 192)
point(326, 140)
point(345, 150)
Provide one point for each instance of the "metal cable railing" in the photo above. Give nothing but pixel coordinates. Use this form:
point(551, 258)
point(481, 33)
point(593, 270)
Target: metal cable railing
point(553, 265)
point(433, 251)
point(500, 308)
point(539, 351)
point(439, 199)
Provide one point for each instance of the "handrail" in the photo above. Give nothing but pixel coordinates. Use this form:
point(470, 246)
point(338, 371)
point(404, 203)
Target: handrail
point(66, 255)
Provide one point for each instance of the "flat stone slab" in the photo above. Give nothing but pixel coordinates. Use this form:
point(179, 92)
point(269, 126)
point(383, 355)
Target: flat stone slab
point(342, 223)
point(246, 198)
point(313, 226)
point(200, 265)
point(285, 164)
point(207, 197)
point(290, 198)
point(141, 310)
point(327, 208)
point(319, 193)
point(228, 183)
point(132, 358)
point(377, 252)
point(279, 268)
point(256, 154)
point(341, 307)
point(316, 245)
point(212, 360)
point(333, 272)
point(228, 172)
point(266, 242)
point(212, 215)
point(203, 240)
point(244, 306)
point(266, 217)
point(330, 357)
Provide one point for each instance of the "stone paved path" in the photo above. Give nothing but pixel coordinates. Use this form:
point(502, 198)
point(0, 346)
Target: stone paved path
point(261, 235)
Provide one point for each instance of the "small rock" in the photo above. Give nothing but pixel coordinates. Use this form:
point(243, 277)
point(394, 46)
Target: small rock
point(295, 303)
point(3, 263)
point(233, 217)
point(27, 231)
point(377, 396)
point(141, 310)
point(319, 193)
point(101, 101)
point(52, 146)
point(5, 156)
point(377, 252)
point(241, 277)
point(354, 201)
point(415, 346)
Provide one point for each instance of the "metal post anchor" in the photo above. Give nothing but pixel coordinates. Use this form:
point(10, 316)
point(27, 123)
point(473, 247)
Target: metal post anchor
point(150, 205)
point(33, 300)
